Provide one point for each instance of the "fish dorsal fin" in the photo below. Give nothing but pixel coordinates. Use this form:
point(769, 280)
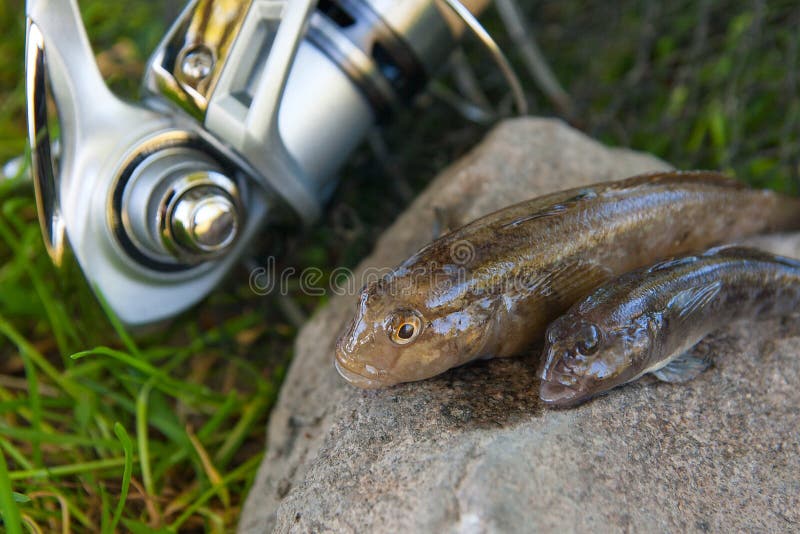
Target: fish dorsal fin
point(586, 193)
point(556, 207)
point(557, 203)
point(674, 262)
point(681, 177)
point(748, 253)
point(551, 211)
point(737, 251)
point(687, 302)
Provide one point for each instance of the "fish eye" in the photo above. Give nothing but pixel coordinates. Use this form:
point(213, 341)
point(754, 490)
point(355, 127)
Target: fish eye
point(406, 331)
point(588, 340)
point(403, 326)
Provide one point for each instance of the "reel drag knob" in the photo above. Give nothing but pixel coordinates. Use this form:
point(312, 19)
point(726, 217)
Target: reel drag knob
point(179, 209)
point(204, 221)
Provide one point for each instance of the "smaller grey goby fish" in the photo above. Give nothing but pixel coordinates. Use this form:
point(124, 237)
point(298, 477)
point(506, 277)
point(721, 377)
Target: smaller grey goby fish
point(490, 288)
point(645, 321)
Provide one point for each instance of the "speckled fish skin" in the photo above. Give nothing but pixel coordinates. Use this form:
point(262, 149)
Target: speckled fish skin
point(646, 320)
point(490, 288)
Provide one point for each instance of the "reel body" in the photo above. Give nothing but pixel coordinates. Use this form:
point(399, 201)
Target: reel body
point(249, 108)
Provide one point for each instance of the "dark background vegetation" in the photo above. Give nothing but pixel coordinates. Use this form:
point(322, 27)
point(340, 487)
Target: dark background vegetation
point(707, 84)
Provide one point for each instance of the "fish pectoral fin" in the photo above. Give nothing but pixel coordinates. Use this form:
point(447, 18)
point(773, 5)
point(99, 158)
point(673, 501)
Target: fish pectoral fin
point(674, 262)
point(568, 282)
point(694, 299)
point(683, 368)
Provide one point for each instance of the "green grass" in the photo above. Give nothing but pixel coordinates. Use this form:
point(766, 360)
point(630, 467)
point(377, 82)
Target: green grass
point(162, 432)
point(703, 84)
point(165, 430)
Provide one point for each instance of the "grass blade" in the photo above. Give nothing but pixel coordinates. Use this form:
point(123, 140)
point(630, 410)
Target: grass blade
point(67, 470)
point(166, 384)
point(8, 505)
point(240, 472)
point(142, 438)
point(127, 445)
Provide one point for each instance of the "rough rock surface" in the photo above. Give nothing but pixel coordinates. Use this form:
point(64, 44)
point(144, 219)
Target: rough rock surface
point(475, 451)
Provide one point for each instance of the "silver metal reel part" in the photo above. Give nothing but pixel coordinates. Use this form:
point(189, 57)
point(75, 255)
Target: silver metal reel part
point(248, 104)
point(101, 138)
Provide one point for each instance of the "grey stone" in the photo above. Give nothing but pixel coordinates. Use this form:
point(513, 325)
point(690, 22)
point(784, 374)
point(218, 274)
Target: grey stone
point(474, 451)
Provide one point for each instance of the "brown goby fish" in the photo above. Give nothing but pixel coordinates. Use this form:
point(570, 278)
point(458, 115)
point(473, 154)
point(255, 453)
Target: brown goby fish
point(645, 321)
point(490, 288)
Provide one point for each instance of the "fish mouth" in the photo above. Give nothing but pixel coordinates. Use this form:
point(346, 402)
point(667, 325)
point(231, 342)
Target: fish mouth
point(356, 379)
point(557, 394)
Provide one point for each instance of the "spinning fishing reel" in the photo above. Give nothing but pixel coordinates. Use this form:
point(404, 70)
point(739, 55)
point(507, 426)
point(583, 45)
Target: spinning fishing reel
point(249, 108)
